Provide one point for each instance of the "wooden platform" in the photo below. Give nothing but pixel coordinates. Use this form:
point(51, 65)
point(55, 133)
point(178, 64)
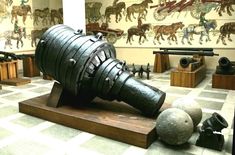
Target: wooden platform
point(15, 81)
point(223, 81)
point(114, 120)
point(29, 67)
point(188, 79)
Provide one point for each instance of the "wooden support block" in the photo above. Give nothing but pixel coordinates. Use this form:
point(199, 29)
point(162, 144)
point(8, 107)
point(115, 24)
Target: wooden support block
point(161, 63)
point(188, 79)
point(223, 81)
point(8, 70)
point(115, 120)
point(29, 67)
point(15, 81)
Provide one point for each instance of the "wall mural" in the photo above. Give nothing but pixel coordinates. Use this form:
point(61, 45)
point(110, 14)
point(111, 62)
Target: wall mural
point(163, 23)
point(22, 22)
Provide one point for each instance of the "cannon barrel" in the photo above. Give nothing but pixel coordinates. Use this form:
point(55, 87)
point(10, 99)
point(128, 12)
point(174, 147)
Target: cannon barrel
point(187, 49)
point(185, 61)
point(200, 53)
point(86, 67)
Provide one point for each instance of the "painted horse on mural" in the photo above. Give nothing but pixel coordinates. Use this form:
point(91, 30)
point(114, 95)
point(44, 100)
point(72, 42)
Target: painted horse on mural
point(169, 30)
point(12, 35)
point(138, 32)
point(226, 4)
point(225, 31)
point(56, 15)
point(140, 8)
point(20, 11)
point(41, 13)
point(36, 35)
point(202, 30)
point(93, 11)
point(116, 10)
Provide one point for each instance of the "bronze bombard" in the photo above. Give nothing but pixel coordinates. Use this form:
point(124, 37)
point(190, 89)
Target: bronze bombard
point(86, 67)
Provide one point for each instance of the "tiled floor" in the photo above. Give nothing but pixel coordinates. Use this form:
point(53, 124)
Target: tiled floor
point(22, 134)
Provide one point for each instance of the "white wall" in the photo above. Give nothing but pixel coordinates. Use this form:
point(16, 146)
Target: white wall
point(74, 13)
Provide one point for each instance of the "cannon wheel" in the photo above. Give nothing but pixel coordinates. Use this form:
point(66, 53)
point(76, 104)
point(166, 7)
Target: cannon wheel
point(159, 16)
point(195, 14)
point(111, 37)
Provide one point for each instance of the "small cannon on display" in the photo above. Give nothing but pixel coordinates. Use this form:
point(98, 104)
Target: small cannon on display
point(225, 67)
point(86, 67)
point(188, 63)
point(191, 70)
point(140, 70)
point(210, 132)
point(8, 56)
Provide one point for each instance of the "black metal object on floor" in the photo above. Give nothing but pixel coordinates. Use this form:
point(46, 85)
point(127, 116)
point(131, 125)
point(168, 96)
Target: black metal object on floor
point(86, 67)
point(210, 132)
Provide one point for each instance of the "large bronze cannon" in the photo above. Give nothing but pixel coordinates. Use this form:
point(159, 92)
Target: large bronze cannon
point(86, 67)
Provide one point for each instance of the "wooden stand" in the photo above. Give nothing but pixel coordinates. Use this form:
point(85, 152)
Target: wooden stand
point(29, 67)
point(8, 70)
point(114, 120)
point(9, 74)
point(223, 81)
point(161, 63)
point(188, 79)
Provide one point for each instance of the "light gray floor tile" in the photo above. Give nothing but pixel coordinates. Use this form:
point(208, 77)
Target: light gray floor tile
point(7, 111)
point(60, 132)
point(213, 95)
point(159, 148)
point(4, 133)
point(164, 78)
point(42, 82)
point(2, 92)
point(17, 96)
point(180, 91)
point(105, 146)
point(27, 121)
point(24, 147)
point(40, 90)
point(210, 104)
point(25, 86)
point(209, 87)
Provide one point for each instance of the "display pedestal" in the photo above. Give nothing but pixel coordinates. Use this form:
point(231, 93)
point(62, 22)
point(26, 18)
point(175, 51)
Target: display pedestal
point(115, 120)
point(188, 79)
point(223, 81)
point(9, 74)
point(29, 67)
point(161, 63)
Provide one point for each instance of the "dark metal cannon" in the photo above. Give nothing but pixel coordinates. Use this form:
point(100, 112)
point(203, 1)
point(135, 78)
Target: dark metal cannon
point(186, 61)
point(225, 67)
point(210, 132)
point(86, 67)
point(8, 56)
point(187, 51)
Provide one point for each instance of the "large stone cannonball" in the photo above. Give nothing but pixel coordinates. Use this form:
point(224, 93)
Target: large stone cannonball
point(174, 126)
point(191, 107)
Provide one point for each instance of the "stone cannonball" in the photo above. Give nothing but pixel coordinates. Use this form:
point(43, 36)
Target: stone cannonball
point(174, 126)
point(191, 107)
